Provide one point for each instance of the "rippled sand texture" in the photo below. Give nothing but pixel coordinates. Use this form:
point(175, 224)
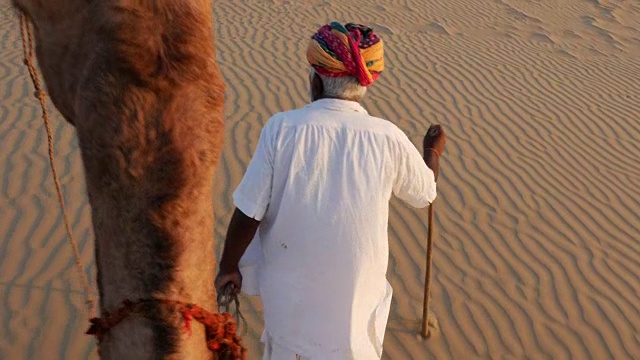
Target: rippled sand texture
point(537, 250)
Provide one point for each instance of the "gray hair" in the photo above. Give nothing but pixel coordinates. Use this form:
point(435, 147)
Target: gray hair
point(343, 87)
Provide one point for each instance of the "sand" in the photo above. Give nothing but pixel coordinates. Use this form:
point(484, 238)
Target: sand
point(537, 250)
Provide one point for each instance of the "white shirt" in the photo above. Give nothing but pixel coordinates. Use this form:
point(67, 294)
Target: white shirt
point(320, 182)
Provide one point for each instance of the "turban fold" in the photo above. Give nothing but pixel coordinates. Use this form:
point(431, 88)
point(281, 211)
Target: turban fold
point(350, 50)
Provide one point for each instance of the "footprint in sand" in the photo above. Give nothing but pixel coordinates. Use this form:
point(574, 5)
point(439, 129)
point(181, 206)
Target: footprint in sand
point(569, 34)
point(433, 27)
point(606, 11)
point(540, 37)
point(382, 29)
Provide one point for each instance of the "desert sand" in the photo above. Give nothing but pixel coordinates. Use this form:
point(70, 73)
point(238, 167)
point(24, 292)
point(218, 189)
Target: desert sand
point(537, 242)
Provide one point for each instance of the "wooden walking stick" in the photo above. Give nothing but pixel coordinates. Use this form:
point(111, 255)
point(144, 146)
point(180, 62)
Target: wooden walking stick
point(433, 131)
point(427, 285)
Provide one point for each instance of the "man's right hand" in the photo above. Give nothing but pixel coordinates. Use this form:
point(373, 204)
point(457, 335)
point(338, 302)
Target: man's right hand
point(232, 278)
point(432, 147)
point(434, 140)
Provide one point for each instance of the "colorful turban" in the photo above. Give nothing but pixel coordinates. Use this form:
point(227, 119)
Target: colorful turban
point(350, 50)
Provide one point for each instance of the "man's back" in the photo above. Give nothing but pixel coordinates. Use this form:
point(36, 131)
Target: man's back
point(324, 227)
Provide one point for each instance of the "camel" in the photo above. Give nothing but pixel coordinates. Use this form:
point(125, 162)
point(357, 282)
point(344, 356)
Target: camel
point(140, 83)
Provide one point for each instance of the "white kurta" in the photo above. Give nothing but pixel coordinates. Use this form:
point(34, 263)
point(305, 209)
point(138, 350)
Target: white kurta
point(320, 182)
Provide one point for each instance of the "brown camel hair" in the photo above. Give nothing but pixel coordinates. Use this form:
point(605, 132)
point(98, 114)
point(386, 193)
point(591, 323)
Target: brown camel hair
point(139, 81)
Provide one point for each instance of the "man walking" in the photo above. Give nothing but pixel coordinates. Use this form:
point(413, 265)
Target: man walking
point(316, 198)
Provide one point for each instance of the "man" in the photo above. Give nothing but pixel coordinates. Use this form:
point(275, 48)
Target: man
point(317, 192)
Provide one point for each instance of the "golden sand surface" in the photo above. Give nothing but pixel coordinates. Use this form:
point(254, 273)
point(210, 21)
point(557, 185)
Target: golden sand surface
point(537, 252)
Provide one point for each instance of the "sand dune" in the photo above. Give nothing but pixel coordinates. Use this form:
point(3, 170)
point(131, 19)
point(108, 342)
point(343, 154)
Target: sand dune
point(538, 228)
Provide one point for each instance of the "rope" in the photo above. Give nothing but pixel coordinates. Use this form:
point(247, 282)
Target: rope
point(220, 328)
point(225, 298)
point(26, 33)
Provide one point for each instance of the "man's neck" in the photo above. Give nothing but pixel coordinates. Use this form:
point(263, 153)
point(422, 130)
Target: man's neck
point(335, 97)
